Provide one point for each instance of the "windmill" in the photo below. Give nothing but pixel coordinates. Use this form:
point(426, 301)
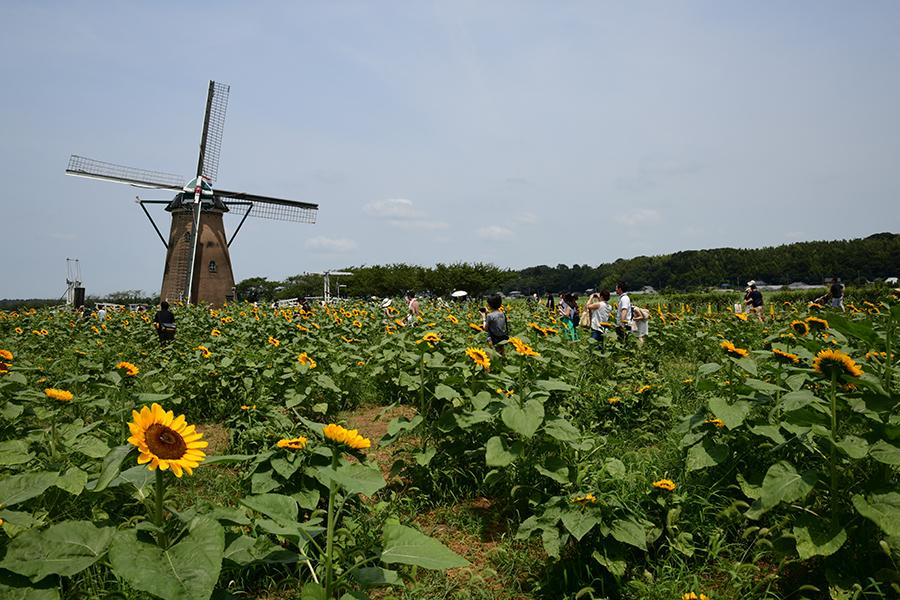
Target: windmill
point(198, 265)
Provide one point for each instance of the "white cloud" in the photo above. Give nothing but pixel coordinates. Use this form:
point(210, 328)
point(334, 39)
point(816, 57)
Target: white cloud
point(323, 244)
point(495, 233)
point(640, 217)
point(401, 213)
point(397, 208)
point(526, 219)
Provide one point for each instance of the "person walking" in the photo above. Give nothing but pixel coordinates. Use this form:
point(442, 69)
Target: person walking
point(568, 313)
point(495, 323)
point(599, 309)
point(837, 294)
point(754, 300)
point(164, 321)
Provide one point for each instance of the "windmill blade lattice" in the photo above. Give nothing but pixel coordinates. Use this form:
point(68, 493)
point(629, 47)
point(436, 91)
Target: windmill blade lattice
point(97, 169)
point(240, 203)
point(213, 125)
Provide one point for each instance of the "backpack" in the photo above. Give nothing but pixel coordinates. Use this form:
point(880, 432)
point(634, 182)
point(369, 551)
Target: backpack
point(640, 314)
point(585, 319)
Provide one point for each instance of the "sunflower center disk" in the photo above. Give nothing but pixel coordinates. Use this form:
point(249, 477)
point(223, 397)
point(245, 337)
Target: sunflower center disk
point(164, 442)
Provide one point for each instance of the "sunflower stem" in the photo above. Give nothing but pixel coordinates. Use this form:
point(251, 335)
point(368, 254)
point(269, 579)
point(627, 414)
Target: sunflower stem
point(161, 539)
point(53, 438)
point(329, 540)
point(834, 495)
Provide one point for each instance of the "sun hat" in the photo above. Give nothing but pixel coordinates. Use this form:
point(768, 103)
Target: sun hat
point(385, 303)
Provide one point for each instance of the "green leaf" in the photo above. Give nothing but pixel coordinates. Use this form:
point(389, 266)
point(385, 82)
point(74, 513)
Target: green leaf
point(445, 392)
point(371, 576)
point(188, 570)
point(91, 447)
point(499, 454)
point(730, 414)
point(614, 467)
point(578, 519)
point(796, 400)
point(816, 537)
point(64, 549)
point(707, 369)
point(525, 420)
point(424, 457)
point(408, 546)
point(555, 468)
point(612, 557)
point(628, 531)
point(24, 486)
point(112, 464)
point(883, 509)
point(403, 424)
point(151, 398)
point(746, 363)
point(73, 481)
point(885, 452)
point(14, 452)
point(552, 385)
point(281, 509)
point(782, 483)
point(16, 587)
point(244, 550)
point(356, 479)
point(312, 591)
point(561, 430)
point(706, 454)
point(853, 446)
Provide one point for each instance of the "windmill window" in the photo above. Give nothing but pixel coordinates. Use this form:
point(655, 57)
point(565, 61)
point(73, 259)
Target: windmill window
point(212, 266)
point(187, 236)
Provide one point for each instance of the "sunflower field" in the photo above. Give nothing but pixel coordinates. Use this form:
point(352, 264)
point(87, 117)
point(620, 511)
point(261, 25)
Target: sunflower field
point(344, 453)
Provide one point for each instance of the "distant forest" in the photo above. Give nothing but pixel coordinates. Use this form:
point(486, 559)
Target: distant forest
point(855, 262)
point(852, 261)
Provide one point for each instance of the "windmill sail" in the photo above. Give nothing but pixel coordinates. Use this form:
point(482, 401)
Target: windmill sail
point(96, 169)
point(213, 125)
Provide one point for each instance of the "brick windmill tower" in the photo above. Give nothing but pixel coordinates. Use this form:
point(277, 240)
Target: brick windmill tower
point(198, 265)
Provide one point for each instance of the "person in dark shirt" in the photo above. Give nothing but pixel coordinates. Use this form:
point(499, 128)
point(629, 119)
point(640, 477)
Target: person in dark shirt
point(837, 294)
point(754, 301)
point(164, 321)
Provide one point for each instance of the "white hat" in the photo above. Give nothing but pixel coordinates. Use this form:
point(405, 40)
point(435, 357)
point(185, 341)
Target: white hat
point(385, 303)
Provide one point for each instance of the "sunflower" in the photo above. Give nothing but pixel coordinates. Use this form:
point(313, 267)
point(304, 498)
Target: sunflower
point(216, 333)
point(506, 393)
point(732, 350)
point(204, 351)
point(741, 316)
point(475, 327)
point(165, 441)
point(785, 357)
point(302, 328)
point(716, 422)
point(644, 389)
point(273, 341)
point(298, 443)
point(664, 484)
point(800, 327)
point(306, 360)
point(61, 395)
point(479, 356)
point(18, 330)
point(612, 400)
point(130, 369)
point(350, 437)
point(828, 362)
point(584, 499)
point(431, 337)
point(6, 355)
point(817, 323)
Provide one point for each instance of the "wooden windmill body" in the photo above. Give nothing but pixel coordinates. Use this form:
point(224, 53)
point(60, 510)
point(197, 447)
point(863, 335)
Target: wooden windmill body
point(198, 264)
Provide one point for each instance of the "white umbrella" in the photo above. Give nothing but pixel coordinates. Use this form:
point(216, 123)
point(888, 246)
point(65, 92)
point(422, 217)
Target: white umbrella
point(459, 294)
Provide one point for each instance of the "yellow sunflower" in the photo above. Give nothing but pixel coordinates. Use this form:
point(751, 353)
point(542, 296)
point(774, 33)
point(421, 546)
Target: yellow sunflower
point(664, 484)
point(479, 356)
point(475, 327)
point(130, 369)
point(273, 341)
point(216, 333)
point(61, 395)
point(732, 350)
point(584, 499)
point(817, 323)
point(165, 441)
point(785, 357)
point(6, 355)
point(349, 437)
point(612, 400)
point(204, 351)
point(431, 337)
point(18, 330)
point(306, 360)
point(800, 327)
point(828, 362)
point(298, 443)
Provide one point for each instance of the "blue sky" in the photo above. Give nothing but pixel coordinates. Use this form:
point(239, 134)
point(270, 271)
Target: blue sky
point(516, 133)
